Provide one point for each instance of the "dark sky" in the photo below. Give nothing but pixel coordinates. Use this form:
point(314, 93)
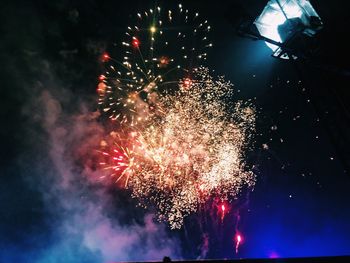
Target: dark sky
point(50, 210)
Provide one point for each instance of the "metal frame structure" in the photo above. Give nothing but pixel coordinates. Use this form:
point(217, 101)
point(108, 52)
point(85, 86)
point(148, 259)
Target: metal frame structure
point(287, 26)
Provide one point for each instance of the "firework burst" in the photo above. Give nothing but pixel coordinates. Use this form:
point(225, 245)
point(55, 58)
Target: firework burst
point(162, 47)
point(191, 150)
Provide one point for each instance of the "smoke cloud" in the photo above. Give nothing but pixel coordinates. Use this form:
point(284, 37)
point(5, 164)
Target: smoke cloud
point(89, 222)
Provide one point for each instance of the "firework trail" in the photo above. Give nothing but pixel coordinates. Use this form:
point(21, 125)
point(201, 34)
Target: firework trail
point(238, 240)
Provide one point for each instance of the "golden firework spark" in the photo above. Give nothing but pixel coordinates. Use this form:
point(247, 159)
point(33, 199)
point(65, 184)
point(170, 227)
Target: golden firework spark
point(190, 151)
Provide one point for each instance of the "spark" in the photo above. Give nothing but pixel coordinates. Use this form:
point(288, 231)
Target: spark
point(153, 29)
point(186, 83)
point(238, 240)
point(105, 57)
point(135, 43)
point(223, 209)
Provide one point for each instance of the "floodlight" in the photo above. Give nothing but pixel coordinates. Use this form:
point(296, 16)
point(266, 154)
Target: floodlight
point(283, 20)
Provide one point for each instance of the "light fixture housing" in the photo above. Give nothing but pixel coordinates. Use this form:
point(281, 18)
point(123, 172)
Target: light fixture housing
point(282, 20)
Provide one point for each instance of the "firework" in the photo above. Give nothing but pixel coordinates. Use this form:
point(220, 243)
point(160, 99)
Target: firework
point(223, 211)
point(189, 152)
point(162, 47)
point(119, 158)
point(238, 240)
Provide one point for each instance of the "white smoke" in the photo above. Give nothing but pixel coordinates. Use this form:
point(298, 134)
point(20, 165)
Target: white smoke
point(86, 230)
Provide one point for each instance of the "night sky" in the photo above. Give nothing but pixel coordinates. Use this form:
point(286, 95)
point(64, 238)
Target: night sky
point(51, 211)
